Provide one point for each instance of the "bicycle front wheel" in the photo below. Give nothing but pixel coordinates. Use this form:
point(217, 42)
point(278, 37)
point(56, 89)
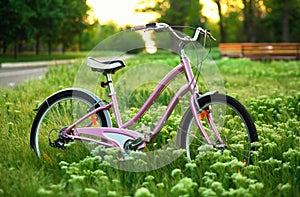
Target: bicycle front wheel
point(55, 114)
point(227, 124)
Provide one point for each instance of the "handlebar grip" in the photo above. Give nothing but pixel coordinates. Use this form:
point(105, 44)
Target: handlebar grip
point(139, 27)
point(151, 25)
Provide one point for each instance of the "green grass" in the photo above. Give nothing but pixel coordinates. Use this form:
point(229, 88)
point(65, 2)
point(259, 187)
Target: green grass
point(270, 90)
point(26, 57)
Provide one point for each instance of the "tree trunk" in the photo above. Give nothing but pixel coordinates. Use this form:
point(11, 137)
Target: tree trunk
point(4, 47)
point(16, 49)
point(249, 22)
point(285, 22)
point(64, 48)
point(251, 16)
point(221, 25)
point(37, 45)
point(49, 48)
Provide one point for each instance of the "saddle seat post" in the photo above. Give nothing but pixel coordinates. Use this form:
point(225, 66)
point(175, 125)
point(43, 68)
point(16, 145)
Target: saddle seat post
point(113, 97)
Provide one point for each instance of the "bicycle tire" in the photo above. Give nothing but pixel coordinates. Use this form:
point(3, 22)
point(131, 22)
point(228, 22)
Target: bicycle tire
point(233, 138)
point(54, 105)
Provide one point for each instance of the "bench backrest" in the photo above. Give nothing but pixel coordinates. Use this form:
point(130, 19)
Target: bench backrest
point(261, 50)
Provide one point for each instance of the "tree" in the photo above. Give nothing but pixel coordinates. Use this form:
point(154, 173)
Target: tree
point(249, 25)
point(285, 21)
point(282, 19)
point(14, 25)
point(177, 12)
point(97, 33)
point(46, 21)
point(221, 23)
point(74, 22)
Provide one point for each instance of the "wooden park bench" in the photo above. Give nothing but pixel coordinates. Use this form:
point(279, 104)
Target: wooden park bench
point(260, 51)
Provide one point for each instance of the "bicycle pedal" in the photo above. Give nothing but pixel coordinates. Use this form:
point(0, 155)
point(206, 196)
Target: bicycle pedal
point(147, 137)
point(146, 130)
point(220, 146)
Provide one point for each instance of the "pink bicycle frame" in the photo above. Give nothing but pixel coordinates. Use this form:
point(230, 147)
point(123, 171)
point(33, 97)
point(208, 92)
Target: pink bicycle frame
point(117, 136)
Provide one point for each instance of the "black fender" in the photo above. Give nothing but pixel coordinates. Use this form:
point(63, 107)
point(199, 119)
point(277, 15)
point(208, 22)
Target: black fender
point(75, 91)
point(211, 93)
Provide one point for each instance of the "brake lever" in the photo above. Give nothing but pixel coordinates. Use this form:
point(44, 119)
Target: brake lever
point(208, 34)
point(211, 37)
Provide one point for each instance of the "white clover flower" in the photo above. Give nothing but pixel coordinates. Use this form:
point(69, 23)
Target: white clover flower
point(98, 150)
point(98, 173)
point(73, 170)
point(43, 192)
point(129, 158)
point(117, 181)
point(184, 186)
point(284, 187)
point(256, 186)
point(190, 165)
point(103, 178)
point(64, 168)
point(149, 178)
point(143, 192)
point(208, 192)
point(112, 194)
point(160, 185)
point(218, 166)
point(75, 178)
point(108, 158)
point(176, 172)
point(63, 163)
point(90, 191)
point(112, 151)
point(138, 154)
point(140, 163)
point(217, 187)
point(205, 147)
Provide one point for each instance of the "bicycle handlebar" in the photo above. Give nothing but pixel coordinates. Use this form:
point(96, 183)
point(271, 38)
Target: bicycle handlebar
point(159, 26)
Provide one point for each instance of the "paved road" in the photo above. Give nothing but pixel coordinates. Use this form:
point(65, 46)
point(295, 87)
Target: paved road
point(10, 77)
point(12, 74)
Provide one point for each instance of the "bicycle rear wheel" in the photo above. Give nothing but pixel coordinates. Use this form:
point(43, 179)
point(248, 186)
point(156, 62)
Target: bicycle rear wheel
point(230, 119)
point(55, 114)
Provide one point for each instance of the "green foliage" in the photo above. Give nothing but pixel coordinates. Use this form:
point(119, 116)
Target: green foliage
point(269, 90)
point(49, 22)
point(178, 12)
point(16, 26)
point(274, 20)
point(97, 33)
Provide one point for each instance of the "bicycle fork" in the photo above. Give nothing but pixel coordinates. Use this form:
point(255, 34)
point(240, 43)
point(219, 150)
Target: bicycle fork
point(205, 113)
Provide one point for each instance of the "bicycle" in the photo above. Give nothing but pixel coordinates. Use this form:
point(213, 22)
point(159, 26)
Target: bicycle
point(56, 126)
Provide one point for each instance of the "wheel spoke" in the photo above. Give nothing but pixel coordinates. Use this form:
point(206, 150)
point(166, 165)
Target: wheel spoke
point(53, 117)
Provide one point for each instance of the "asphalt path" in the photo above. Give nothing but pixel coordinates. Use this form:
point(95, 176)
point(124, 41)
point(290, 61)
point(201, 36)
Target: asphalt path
point(12, 74)
point(10, 77)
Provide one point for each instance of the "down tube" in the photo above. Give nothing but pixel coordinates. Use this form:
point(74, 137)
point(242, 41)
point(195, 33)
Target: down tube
point(181, 92)
point(161, 86)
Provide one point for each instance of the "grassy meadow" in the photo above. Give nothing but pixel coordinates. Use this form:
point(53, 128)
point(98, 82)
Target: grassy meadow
point(269, 90)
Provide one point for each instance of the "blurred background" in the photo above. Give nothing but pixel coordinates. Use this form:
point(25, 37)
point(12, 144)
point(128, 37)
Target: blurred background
point(48, 26)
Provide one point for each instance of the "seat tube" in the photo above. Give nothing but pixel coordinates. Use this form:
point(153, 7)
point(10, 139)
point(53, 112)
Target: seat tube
point(113, 97)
